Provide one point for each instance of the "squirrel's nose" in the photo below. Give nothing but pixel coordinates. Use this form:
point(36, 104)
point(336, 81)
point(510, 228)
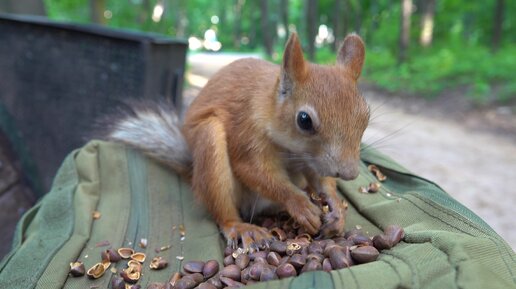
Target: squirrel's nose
point(347, 173)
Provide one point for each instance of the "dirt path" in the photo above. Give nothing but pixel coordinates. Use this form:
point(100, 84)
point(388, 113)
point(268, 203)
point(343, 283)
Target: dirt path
point(476, 167)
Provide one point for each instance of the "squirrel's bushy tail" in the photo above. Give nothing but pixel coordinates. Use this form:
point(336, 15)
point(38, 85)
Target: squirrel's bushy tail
point(153, 128)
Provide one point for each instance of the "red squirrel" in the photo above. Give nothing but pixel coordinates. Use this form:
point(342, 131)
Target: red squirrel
point(259, 135)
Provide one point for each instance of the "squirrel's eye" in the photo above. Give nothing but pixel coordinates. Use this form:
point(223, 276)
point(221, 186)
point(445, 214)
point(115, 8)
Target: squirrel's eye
point(304, 121)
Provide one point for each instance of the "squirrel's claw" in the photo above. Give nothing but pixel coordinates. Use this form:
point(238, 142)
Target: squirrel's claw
point(251, 237)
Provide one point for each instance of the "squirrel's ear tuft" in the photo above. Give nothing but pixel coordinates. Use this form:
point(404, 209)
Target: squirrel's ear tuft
point(351, 55)
point(293, 68)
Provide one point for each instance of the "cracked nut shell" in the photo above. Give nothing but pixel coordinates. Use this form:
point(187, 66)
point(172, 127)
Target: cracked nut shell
point(77, 269)
point(158, 263)
point(125, 253)
point(138, 256)
point(96, 271)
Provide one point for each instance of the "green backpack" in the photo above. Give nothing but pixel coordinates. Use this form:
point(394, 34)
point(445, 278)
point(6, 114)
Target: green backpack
point(445, 244)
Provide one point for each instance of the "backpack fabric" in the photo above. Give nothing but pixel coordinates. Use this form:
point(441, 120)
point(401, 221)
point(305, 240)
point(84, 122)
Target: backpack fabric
point(445, 244)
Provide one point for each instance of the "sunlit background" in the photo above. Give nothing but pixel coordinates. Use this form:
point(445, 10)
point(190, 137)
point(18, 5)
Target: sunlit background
point(442, 44)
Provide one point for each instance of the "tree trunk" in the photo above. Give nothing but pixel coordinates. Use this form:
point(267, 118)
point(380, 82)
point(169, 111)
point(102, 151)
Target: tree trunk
point(222, 13)
point(237, 25)
point(274, 22)
point(266, 30)
point(183, 19)
point(358, 16)
point(498, 21)
point(254, 15)
point(375, 15)
point(311, 27)
point(97, 8)
point(167, 10)
point(32, 7)
point(145, 12)
point(427, 24)
point(340, 18)
point(406, 11)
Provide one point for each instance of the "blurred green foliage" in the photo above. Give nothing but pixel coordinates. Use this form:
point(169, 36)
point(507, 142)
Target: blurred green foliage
point(474, 68)
point(462, 55)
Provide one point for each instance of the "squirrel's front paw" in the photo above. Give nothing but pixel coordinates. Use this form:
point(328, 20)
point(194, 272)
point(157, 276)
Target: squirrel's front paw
point(305, 213)
point(251, 237)
point(335, 219)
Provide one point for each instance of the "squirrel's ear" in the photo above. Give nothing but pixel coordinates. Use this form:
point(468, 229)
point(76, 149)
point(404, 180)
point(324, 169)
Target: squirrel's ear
point(293, 68)
point(351, 54)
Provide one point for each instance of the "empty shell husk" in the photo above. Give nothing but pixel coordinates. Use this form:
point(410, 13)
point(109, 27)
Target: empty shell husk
point(125, 253)
point(96, 271)
point(138, 256)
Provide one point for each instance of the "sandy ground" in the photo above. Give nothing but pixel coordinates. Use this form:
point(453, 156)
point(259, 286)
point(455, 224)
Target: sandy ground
point(475, 166)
